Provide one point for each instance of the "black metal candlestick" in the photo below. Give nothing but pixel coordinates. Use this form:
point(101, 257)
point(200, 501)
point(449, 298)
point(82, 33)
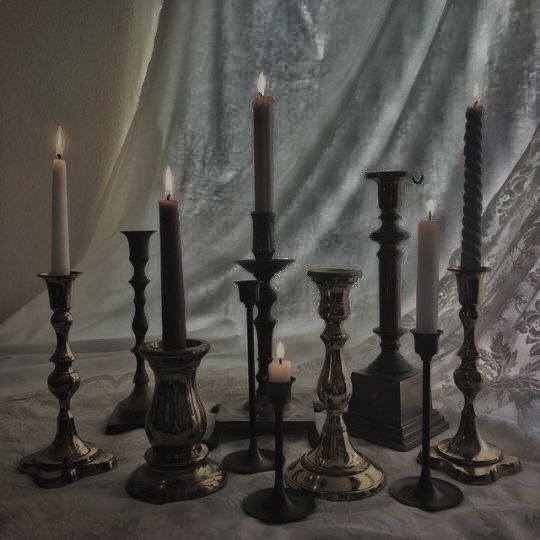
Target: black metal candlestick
point(68, 458)
point(253, 459)
point(385, 406)
point(466, 456)
point(130, 413)
point(278, 504)
point(423, 491)
point(177, 465)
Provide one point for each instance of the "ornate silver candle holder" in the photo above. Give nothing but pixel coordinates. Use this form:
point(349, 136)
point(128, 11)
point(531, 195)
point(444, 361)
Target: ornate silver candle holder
point(386, 407)
point(466, 456)
point(68, 458)
point(177, 465)
point(130, 413)
point(335, 470)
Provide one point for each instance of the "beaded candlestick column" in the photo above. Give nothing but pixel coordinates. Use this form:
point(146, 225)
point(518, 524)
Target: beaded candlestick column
point(68, 458)
point(335, 470)
point(386, 405)
point(130, 413)
point(466, 456)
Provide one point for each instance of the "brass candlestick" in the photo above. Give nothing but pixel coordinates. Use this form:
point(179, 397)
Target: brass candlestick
point(68, 458)
point(335, 470)
point(130, 413)
point(178, 467)
point(466, 456)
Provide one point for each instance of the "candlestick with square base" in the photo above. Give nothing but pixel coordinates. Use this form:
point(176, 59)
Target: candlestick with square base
point(68, 458)
point(386, 405)
point(466, 456)
point(335, 470)
point(178, 467)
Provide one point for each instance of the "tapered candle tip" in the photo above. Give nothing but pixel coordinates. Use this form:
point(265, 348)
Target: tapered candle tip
point(261, 83)
point(60, 143)
point(280, 351)
point(168, 183)
point(430, 207)
point(476, 92)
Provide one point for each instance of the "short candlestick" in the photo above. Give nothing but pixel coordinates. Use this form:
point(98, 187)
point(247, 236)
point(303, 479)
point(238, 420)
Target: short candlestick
point(423, 491)
point(68, 458)
point(253, 459)
point(278, 504)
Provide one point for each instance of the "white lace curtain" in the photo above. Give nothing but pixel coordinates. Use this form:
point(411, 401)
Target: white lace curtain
point(357, 85)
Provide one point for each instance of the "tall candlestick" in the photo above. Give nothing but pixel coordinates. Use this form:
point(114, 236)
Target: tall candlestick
point(471, 233)
point(427, 276)
point(262, 141)
point(59, 228)
point(173, 305)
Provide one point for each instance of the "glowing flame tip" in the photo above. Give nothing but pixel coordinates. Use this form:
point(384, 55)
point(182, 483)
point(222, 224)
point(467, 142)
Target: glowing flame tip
point(168, 182)
point(60, 142)
point(261, 83)
point(476, 92)
point(430, 207)
point(280, 350)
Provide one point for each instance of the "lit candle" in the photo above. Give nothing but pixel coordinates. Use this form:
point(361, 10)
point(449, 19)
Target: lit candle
point(471, 232)
point(262, 142)
point(59, 226)
point(173, 306)
point(279, 370)
point(427, 274)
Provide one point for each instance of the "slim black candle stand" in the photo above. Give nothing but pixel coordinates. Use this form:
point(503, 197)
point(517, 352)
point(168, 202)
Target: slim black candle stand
point(423, 491)
point(278, 504)
point(253, 459)
point(467, 456)
point(386, 407)
point(68, 458)
point(130, 413)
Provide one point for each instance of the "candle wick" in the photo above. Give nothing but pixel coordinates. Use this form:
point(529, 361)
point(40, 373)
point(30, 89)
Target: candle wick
point(475, 104)
point(59, 156)
point(280, 360)
point(429, 215)
point(168, 196)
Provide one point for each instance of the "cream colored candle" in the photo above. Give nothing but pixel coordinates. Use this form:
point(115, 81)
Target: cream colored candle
point(279, 370)
point(60, 264)
point(427, 276)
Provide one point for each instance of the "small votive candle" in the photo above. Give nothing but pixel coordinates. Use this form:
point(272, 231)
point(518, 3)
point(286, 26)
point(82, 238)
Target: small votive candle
point(279, 370)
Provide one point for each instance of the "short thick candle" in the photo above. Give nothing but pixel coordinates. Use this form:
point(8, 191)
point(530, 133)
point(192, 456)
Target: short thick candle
point(262, 148)
point(427, 282)
point(173, 305)
point(279, 371)
point(60, 264)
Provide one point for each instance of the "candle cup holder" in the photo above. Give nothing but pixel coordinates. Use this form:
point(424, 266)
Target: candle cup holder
point(278, 504)
point(466, 456)
point(386, 407)
point(253, 459)
point(130, 413)
point(177, 465)
point(335, 470)
point(431, 494)
point(299, 415)
point(68, 458)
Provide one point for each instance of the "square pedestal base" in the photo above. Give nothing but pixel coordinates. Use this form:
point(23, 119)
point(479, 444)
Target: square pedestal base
point(232, 420)
point(387, 409)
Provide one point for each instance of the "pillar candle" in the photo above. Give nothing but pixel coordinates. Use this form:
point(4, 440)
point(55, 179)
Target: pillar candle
point(427, 276)
point(471, 232)
point(262, 143)
point(59, 225)
point(279, 370)
point(173, 306)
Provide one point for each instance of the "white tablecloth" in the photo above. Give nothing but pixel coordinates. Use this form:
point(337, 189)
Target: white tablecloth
point(98, 506)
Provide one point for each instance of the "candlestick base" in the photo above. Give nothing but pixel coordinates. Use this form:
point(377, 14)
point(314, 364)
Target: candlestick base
point(387, 409)
point(249, 461)
point(441, 495)
point(130, 413)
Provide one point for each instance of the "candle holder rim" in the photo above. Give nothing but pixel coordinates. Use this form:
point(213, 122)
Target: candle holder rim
point(385, 174)
point(250, 281)
point(466, 271)
point(420, 334)
point(335, 270)
point(73, 274)
point(290, 381)
point(155, 348)
point(139, 231)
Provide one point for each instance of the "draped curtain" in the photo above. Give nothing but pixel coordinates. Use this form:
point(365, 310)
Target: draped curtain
point(357, 85)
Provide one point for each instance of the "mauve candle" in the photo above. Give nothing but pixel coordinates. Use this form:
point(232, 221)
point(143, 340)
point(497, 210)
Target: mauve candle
point(262, 146)
point(173, 305)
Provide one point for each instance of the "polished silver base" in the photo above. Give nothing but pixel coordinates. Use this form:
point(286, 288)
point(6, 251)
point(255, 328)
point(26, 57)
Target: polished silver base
point(486, 468)
point(49, 471)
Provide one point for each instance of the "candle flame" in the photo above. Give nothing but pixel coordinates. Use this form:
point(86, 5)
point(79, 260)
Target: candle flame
point(168, 182)
point(280, 350)
point(430, 207)
point(60, 143)
point(476, 92)
point(261, 83)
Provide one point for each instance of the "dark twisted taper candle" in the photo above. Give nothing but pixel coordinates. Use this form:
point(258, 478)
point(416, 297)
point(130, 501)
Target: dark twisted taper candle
point(471, 233)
